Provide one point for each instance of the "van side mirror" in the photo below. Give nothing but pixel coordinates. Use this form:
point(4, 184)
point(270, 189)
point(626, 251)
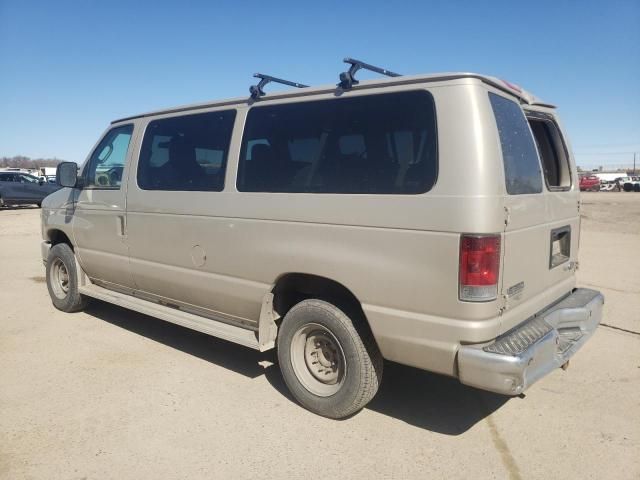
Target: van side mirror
point(67, 174)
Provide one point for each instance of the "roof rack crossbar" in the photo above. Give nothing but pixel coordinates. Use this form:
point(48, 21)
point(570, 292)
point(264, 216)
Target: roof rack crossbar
point(258, 90)
point(348, 80)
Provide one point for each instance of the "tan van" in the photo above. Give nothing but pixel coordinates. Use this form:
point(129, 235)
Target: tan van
point(431, 220)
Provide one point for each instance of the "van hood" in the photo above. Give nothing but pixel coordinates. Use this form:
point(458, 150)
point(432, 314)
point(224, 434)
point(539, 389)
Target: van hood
point(60, 199)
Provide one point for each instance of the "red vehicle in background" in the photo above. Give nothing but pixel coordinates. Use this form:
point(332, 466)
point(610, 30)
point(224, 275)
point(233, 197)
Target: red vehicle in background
point(589, 183)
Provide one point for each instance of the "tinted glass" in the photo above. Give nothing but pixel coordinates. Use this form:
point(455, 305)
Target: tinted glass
point(107, 161)
point(28, 179)
point(186, 153)
point(555, 164)
point(521, 165)
point(380, 144)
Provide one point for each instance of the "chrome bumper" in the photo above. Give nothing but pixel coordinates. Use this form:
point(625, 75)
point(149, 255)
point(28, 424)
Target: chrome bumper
point(517, 359)
point(44, 251)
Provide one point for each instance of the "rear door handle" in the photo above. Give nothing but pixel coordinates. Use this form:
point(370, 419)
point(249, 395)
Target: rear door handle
point(570, 266)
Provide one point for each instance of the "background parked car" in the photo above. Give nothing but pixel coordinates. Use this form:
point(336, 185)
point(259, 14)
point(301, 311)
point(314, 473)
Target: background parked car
point(589, 183)
point(608, 186)
point(630, 184)
point(48, 178)
point(23, 189)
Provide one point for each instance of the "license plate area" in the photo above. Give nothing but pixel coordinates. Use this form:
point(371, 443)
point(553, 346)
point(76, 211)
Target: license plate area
point(560, 246)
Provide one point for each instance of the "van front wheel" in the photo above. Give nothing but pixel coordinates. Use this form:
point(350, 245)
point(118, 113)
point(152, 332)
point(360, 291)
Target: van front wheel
point(330, 362)
point(62, 279)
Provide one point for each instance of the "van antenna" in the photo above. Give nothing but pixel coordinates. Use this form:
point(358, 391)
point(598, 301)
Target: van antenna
point(257, 91)
point(348, 80)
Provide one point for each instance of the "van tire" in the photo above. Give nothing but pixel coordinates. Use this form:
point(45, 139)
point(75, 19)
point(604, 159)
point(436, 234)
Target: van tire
point(316, 329)
point(62, 279)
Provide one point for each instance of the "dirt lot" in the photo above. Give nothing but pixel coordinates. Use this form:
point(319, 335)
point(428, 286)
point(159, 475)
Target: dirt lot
point(113, 394)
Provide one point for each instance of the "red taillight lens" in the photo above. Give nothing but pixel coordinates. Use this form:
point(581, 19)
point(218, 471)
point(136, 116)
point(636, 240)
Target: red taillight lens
point(479, 267)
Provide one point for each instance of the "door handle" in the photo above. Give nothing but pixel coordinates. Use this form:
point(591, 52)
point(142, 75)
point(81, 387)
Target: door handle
point(121, 226)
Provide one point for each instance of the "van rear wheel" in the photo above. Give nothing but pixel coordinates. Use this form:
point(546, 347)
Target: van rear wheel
point(329, 361)
point(62, 279)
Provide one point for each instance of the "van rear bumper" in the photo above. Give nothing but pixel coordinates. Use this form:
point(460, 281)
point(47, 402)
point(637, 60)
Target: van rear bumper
point(520, 357)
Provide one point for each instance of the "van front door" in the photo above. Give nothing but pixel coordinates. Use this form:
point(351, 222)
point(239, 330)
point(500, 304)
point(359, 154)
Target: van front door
point(99, 217)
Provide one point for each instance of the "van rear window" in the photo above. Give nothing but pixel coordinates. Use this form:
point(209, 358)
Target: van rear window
point(521, 164)
point(376, 144)
point(553, 153)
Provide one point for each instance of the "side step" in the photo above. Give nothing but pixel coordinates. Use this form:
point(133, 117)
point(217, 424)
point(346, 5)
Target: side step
point(243, 336)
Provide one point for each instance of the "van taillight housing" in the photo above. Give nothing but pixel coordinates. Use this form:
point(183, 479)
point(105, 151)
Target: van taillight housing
point(479, 267)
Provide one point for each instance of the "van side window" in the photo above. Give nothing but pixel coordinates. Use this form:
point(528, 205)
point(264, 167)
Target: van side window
point(521, 165)
point(107, 161)
point(553, 153)
point(186, 153)
point(376, 144)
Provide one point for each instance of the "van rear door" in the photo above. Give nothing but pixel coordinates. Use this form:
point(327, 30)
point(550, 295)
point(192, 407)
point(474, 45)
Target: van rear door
point(541, 210)
point(561, 191)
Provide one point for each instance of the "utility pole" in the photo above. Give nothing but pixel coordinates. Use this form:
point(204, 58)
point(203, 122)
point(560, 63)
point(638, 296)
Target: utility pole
point(634, 163)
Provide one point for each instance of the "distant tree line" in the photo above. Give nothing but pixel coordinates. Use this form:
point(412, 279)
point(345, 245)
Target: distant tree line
point(20, 161)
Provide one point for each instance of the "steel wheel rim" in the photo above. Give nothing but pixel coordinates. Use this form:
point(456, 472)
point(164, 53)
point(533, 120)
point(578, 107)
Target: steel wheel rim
point(318, 359)
point(59, 279)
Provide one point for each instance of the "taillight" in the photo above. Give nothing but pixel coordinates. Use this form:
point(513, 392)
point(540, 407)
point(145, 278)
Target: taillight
point(479, 267)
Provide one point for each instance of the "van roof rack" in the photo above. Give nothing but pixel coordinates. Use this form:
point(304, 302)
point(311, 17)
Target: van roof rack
point(348, 80)
point(257, 91)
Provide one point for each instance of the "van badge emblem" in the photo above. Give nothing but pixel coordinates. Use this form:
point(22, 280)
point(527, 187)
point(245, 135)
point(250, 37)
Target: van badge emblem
point(515, 289)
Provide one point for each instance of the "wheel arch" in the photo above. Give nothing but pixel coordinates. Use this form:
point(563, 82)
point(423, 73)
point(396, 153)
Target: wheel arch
point(56, 236)
point(293, 287)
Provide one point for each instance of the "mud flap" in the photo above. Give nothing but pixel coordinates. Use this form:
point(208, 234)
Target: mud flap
point(267, 327)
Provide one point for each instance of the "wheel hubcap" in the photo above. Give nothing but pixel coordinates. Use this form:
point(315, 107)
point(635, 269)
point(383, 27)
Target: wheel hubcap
point(318, 360)
point(321, 357)
point(59, 278)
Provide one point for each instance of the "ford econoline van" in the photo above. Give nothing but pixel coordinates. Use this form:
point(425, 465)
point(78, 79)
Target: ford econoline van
point(430, 220)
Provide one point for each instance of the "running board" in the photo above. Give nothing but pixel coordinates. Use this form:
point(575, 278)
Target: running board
point(234, 334)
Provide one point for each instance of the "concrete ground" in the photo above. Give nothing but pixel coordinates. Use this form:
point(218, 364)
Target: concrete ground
point(113, 394)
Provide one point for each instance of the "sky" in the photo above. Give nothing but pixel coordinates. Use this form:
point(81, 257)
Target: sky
point(68, 68)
